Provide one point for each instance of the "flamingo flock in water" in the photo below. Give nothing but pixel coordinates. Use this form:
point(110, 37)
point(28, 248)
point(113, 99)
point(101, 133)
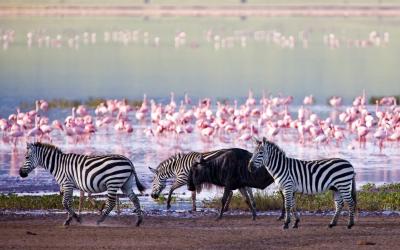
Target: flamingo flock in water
point(180, 39)
point(268, 116)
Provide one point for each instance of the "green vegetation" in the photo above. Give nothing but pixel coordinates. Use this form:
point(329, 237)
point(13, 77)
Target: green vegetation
point(16, 202)
point(369, 198)
point(65, 103)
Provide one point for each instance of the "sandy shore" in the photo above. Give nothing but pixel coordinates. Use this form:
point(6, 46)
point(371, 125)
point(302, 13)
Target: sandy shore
point(234, 10)
point(233, 232)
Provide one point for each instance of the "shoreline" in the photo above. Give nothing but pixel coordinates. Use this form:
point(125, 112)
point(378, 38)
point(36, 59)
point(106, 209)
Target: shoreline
point(201, 212)
point(203, 10)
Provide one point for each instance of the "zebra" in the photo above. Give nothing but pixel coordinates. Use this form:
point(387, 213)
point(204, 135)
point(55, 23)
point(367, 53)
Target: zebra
point(91, 174)
point(307, 177)
point(177, 166)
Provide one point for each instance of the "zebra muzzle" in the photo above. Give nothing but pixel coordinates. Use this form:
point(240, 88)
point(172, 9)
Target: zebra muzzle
point(22, 173)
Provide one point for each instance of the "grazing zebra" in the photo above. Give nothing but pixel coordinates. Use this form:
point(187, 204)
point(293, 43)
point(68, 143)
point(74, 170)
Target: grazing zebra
point(307, 177)
point(177, 166)
point(91, 174)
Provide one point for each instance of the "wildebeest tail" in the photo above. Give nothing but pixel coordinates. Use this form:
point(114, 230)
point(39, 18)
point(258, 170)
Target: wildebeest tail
point(190, 181)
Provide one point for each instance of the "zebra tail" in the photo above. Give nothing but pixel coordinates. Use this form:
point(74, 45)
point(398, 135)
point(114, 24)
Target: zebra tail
point(139, 185)
point(353, 190)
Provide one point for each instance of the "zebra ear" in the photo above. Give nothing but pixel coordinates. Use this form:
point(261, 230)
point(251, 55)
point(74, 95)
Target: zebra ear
point(198, 159)
point(256, 141)
point(264, 140)
point(154, 171)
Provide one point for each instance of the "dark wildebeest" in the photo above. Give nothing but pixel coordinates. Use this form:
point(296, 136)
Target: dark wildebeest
point(229, 170)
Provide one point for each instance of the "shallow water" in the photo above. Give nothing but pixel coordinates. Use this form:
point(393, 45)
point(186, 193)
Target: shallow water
point(371, 165)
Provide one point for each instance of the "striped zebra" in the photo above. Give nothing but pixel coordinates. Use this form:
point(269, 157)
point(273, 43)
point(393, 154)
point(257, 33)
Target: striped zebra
point(91, 174)
point(177, 166)
point(307, 177)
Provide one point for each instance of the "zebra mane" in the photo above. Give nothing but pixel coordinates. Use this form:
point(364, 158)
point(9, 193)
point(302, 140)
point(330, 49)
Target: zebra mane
point(46, 145)
point(275, 148)
point(171, 159)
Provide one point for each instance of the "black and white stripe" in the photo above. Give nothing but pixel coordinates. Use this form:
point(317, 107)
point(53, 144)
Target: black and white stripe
point(91, 174)
point(307, 177)
point(178, 167)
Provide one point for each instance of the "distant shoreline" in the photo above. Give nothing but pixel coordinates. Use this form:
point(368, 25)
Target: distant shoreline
point(200, 10)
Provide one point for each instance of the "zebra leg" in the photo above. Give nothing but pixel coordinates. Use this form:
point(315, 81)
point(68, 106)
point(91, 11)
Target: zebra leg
point(243, 191)
point(110, 203)
point(67, 203)
point(135, 200)
point(288, 194)
point(250, 192)
point(223, 201)
point(118, 207)
point(127, 190)
point(228, 201)
point(352, 208)
point(338, 208)
point(193, 200)
point(282, 216)
point(173, 187)
point(296, 214)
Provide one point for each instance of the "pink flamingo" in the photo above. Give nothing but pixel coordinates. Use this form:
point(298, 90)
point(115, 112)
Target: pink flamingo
point(308, 100)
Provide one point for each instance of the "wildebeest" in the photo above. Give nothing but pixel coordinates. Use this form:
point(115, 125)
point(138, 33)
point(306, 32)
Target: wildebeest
point(229, 170)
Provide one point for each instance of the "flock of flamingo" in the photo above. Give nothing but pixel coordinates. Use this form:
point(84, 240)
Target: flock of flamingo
point(219, 40)
point(269, 116)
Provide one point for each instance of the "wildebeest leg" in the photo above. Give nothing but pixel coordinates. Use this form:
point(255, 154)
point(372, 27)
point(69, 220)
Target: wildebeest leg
point(282, 216)
point(228, 201)
point(67, 203)
point(110, 203)
point(223, 201)
point(193, 200)
point(173, 187)
point(243, 191)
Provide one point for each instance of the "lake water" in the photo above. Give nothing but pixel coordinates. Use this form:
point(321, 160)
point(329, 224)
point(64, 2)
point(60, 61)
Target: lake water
point(78, 57)
point(371, 165)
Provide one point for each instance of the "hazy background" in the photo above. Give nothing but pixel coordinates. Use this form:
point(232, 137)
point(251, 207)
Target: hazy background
point(115, 69)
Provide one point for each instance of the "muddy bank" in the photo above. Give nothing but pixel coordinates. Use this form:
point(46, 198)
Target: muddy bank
point(233, 232)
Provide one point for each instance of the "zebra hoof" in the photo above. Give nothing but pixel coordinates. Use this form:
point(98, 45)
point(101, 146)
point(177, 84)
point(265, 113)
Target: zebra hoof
point(331, 225)
point(286, 226)
point(139, 220)
point(280, 218)
point(168, 206)
point(78, 219)
point(66, 223)
point(350, 226)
